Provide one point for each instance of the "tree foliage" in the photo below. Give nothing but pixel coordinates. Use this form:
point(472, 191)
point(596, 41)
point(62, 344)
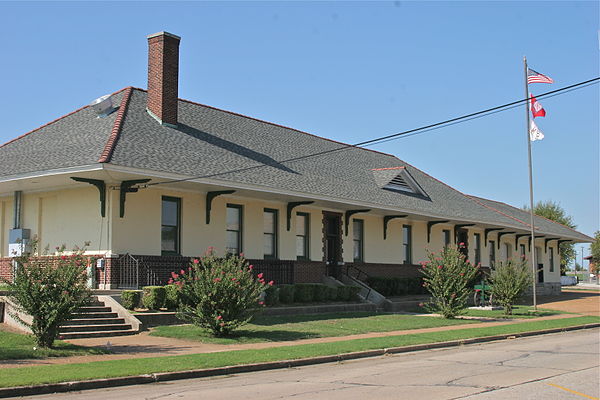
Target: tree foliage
point(448, 276)
point(509, 281)
point(219, 293)
point(595, 248)
point(50, 290)
point(554, 212)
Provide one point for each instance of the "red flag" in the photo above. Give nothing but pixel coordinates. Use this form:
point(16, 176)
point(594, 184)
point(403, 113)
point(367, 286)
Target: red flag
point(536, 108)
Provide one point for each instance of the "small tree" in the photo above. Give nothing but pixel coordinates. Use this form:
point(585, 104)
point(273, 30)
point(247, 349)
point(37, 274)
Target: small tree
point(49, 289)
point(554, 212)
point(448, 276)
point(219, 293)
point(509, 281)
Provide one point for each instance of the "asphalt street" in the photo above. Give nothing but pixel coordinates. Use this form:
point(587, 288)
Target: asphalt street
point(558, 366)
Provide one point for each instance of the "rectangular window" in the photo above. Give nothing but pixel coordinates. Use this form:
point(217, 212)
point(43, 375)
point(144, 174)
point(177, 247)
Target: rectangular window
point(407, 243)
point(507, 251)
point(170, 225)
point(302, 236)
point(233, 244)
point(522, 250)
point(358, 232)
point(551, 259)
point(446, 233)
point(477, 248)
point(492, 248)
point(270, 233)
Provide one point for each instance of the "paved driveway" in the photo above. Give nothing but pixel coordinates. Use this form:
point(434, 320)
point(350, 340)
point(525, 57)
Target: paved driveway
point(576, 301)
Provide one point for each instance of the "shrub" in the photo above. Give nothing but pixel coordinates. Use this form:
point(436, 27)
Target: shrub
point(332, 293)
point(353, 292)
point(171, 297)
point(397, 286)
point(153, 297)
point(320, 292)
point(286, 293)
point(272, 296)
point(509, 281)
point(131, 299)
point(49, 290)
point(303, 293)
point(219, 293)
point(343, 293)
point(448, 277)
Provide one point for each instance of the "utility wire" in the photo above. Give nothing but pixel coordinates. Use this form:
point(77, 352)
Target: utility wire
point(407, 133)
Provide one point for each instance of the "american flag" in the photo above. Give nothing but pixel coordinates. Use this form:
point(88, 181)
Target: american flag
point(536, 77)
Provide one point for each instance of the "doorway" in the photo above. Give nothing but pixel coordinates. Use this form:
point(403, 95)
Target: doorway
point(332, 242)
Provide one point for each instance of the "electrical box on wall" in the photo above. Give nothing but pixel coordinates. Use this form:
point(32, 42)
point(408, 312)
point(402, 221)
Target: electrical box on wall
point(19, 242)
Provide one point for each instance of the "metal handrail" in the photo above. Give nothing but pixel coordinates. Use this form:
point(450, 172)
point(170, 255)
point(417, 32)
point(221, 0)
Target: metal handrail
point(357, 278)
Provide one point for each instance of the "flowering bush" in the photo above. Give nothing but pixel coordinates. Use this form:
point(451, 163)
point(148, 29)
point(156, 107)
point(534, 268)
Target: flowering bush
point(219, 293)
point(50, 290)
point(509, 281)
point(448, 277)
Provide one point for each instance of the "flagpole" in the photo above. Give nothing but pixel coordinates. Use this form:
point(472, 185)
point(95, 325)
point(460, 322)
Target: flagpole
point(533, 266)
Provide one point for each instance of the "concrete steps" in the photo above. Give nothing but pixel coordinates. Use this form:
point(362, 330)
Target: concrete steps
point(95, 320)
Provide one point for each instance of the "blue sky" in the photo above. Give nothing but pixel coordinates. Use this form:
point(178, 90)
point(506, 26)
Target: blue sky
point(349, 71)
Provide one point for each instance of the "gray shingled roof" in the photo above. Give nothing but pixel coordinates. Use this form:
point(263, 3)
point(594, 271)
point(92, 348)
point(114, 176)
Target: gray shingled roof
point(542, 225)
point(228, 147)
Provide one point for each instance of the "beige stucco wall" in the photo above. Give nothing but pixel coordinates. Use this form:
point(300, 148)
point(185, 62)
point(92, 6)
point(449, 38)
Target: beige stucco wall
point(72, 216)
point(68, 216)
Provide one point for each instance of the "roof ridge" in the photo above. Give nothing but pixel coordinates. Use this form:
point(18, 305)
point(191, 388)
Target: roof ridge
point(465, 195)
point(117, 126)
point(385, 169)
point(278, 125)
point(498, 211)
point(537, 215)
point(51, 122)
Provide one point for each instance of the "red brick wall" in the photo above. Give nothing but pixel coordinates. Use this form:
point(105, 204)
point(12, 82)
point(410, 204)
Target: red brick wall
point(6, 268)
point(389, 270)
point(309, 271)
point(163, 72)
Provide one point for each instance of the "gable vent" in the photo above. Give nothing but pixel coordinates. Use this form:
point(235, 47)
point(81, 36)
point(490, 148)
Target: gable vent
point(399, 183)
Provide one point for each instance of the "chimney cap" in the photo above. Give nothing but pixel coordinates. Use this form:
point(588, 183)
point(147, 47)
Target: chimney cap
point(163, 33)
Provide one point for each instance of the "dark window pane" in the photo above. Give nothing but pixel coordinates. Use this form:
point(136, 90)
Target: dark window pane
point(169, 238)
point(169, 212)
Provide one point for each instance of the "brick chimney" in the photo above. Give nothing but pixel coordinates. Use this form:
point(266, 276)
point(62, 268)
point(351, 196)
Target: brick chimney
point(163, 72)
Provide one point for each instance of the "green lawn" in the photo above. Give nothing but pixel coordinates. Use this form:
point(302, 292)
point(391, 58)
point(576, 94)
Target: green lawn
point(14, 346)
point(115, 368)
point(296, 327)
point(519, 312)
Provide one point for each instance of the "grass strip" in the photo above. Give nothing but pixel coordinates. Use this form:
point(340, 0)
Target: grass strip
point(297, 327)
point(519, 312)
point(16, 346)
point(117, 368)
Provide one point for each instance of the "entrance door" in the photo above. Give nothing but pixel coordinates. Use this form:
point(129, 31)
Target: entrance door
point(332, 241)
point(462, 236)
point(540, 265)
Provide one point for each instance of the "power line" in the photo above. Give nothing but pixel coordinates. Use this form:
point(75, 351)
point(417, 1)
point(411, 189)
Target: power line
point(407, 133)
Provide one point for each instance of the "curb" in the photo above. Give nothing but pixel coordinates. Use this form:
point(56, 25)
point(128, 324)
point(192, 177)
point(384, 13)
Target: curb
point(204, 373)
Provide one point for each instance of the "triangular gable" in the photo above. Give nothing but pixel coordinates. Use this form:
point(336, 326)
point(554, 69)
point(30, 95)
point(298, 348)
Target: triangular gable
point(397, 179)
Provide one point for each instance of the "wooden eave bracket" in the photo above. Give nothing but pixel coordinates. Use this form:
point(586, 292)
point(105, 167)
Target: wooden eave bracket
point(430, 224)
point(546, 243)
point(210, 196)
point(500, 234)
point(519, 236)
point(386, 221)
point(457, 227)
point(537, 237)
point(127, 187)
point(350, 213)
point(101, 186)
point(487, 231)
point(290, 207)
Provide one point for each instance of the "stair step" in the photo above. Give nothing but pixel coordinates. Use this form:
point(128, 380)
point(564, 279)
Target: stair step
point(93, 309)
point(94, 315)
point(94, 321)
point(94, 328)
point(95, 303)
point(83, 335)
